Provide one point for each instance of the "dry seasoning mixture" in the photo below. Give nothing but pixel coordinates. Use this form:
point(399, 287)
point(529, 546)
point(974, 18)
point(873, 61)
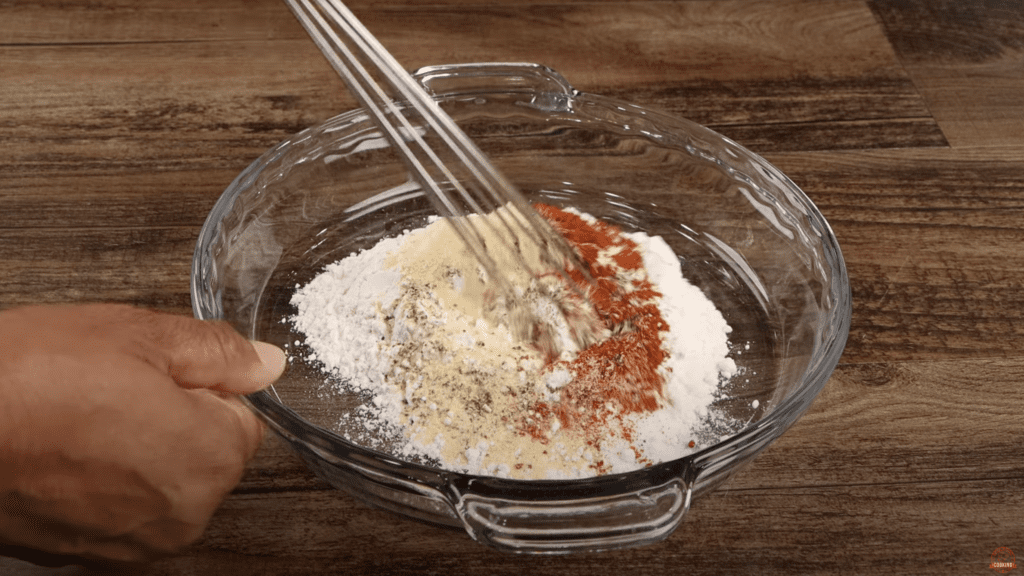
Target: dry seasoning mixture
point(403, 323)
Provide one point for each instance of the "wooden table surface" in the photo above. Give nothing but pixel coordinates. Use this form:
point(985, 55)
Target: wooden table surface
point(121, 122)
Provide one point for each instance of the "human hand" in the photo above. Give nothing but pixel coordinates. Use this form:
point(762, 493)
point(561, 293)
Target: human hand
point(120, 429)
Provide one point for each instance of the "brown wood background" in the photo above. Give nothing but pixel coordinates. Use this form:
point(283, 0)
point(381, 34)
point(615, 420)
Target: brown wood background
point(121, 121)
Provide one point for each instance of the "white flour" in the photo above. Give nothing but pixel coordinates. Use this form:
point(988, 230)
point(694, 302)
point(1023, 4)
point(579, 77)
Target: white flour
point(403, 324)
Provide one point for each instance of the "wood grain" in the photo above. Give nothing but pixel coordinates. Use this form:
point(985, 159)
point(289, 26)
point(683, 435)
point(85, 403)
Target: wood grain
point(122, 121)
point(967, 61)
point(144, 266)
point(792, 531)
point(742, 70)
point(921, 234)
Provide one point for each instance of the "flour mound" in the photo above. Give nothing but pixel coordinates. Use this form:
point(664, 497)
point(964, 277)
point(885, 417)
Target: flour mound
point(406, 324)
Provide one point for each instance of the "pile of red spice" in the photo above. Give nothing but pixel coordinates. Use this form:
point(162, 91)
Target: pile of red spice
point(618, 376)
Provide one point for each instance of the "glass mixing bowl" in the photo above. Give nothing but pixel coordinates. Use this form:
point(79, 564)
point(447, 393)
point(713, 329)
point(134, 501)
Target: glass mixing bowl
point(745, 234)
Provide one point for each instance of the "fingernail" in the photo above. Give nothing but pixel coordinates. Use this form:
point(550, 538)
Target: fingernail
point(273, 360)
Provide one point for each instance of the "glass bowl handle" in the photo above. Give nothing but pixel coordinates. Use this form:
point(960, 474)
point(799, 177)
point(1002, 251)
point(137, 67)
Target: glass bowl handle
point(539, 86)
point(532, 525)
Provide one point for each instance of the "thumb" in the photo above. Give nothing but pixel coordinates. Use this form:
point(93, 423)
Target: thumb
point(200, 354)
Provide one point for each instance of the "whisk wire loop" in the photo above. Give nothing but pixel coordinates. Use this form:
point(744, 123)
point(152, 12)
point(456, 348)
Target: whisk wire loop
point(455, 175)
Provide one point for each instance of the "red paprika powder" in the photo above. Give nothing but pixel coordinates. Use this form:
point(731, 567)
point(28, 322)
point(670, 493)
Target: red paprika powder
point(620, 375)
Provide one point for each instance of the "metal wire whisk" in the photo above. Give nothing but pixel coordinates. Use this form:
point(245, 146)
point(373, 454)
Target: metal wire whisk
point(455, 175)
